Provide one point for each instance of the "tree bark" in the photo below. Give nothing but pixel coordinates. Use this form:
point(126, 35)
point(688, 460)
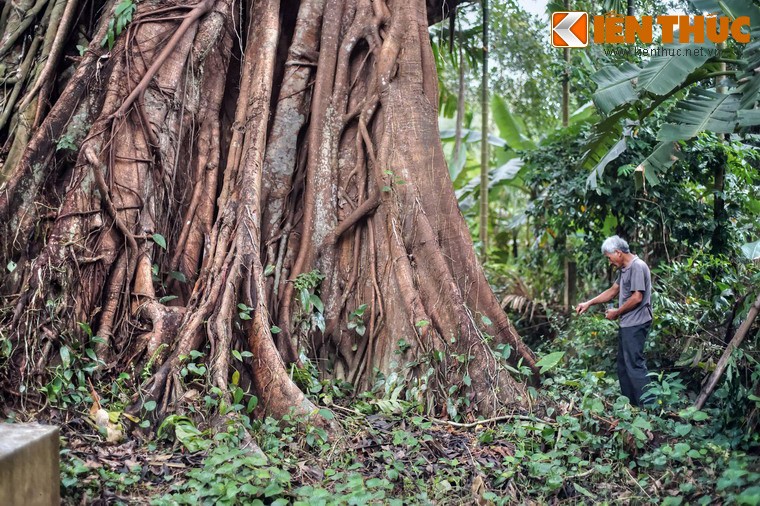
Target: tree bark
point(228, 184)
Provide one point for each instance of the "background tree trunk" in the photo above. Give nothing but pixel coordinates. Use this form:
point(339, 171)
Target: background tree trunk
point(279, 190)
point(485, 159)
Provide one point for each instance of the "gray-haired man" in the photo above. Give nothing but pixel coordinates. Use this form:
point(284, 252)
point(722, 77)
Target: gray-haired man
point(634, 288)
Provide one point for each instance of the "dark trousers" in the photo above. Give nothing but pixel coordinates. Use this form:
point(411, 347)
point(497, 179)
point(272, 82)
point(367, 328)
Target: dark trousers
point(631, 366)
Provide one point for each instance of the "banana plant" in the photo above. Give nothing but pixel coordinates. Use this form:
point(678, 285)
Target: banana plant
point(507, 170)
point(629, 93)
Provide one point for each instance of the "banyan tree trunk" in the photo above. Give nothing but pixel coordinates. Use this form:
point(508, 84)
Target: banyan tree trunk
point(262, 177)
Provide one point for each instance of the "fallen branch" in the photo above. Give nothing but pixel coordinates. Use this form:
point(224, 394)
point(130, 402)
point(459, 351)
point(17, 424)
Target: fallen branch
point(723, 362)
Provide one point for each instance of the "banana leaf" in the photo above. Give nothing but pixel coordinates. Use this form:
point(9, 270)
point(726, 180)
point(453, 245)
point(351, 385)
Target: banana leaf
point(615, 86)
point(592, 181)
point(661, 159)
point(702, 110)
point(731, 8)
point(508, 125)
point(604, 137)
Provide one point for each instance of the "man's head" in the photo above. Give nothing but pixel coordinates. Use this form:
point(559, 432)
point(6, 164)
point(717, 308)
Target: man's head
point(616, 250)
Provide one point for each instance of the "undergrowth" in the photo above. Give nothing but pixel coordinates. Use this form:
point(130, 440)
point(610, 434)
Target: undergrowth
point(582, 443)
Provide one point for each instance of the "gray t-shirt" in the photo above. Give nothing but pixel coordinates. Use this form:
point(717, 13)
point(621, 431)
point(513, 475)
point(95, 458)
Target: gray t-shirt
point(635, 278)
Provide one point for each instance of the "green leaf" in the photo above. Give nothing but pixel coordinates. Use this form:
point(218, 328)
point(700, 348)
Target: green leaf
point(642, 423)
point(610, 224)
point(275, 329)
point(65, 357)
point(582, 114)
point(252, 403)
point(614, 152)
point(85, 328)
point(703, 110)
point(237, 355)
point(317, 303)
point(122, 7)
point(664, 73)
point(504, 173)
point(178, 276)
point(550, 361)
point(236, 380)
point(160, 240)
point(748, 118)
point(605, 135)
point(149, 406)
point(269, 270)
point(731, 8)
point(638, 433)
point(750, 78)
point(469, 135)
point(663, 156)
point(422, 323)
point(615, 86)
point(273, 489)
point(751, 250)
point(584, 491)
point(692, 413)
point(682, 429)
point(305, 299)
point(456, 164)
point(11, 266)
point(467, 380)
point(167, 298)
point(509, 130)
point(326, 414)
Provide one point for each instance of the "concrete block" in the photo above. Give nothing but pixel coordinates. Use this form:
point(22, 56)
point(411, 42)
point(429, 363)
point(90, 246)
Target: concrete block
point(29, 465)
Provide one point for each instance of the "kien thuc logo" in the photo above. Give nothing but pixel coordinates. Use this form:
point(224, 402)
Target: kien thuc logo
point(569, 29)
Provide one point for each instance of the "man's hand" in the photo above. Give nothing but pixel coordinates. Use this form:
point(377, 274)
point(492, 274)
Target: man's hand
point(582, 307)
point(612, 314)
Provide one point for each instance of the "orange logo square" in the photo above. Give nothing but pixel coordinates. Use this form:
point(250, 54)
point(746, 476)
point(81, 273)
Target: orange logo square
point(570, 29)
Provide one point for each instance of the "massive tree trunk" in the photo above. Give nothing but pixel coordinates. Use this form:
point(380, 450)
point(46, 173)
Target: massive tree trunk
point(226, 170)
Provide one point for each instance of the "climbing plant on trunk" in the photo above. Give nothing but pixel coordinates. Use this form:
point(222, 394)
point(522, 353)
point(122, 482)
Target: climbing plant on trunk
point(262, 177)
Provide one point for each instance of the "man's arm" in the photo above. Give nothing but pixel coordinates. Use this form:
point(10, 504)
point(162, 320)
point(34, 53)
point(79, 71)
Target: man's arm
point(606, 296)
point(633, 301)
